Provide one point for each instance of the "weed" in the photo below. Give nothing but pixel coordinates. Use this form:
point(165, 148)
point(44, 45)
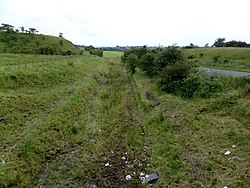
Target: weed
point(216, 58)
point(71, 63)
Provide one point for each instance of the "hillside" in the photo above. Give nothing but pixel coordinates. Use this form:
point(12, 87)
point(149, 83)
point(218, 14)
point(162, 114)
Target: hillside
point(29, 43)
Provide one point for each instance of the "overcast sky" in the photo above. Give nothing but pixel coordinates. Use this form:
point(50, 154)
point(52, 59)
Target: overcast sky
point(133, 22)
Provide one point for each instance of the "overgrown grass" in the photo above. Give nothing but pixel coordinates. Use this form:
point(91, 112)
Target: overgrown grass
point(188, 138)
point(62, 119)
point(62, 125)
point(225, 58)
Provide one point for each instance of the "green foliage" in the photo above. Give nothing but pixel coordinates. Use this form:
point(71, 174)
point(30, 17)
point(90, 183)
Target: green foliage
point(191, 84)
point(171, 77)
point(94, 51)
point(148, 64)
point(167, 66)
point(216, 59)
point(135, 54)
point(169, 56)
point(174, 74)
point(219, 42)
point(132, 63)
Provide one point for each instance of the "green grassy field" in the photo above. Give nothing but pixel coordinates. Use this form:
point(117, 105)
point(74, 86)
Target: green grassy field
point(68, 121)
point(225, 58)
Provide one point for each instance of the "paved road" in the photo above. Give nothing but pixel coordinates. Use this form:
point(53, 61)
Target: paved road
point(212, 72)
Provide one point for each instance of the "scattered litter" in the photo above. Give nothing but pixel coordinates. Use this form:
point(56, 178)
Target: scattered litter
point(225, 187)
point(227, 153)
point(100, 130)
point(106, 164)
point(233, 146)
point(235, 157)
point(142, 178)
point(142, 133)
point(128, 177)
point(149, 178)
point(3, 161)
point(124, 186)
point(91, 186)
point(123, 158)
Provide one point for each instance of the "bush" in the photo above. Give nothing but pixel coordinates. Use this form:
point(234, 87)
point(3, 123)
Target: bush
point(208, 87)
point(216, 58)
point(168, 56)
point(147, 64)
point(171, 77)
point(96, 52)
point(191, 84)
point(131, 63)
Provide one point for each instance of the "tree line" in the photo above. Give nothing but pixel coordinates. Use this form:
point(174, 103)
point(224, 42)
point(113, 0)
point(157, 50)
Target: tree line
point(220, 42)
point(10, 28)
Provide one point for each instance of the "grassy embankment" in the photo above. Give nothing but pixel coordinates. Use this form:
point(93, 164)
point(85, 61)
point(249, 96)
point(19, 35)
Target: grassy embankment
point(63, 118)
point(223, 58)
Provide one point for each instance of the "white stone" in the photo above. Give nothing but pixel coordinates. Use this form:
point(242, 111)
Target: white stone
point(128, 177)
point(107, 164)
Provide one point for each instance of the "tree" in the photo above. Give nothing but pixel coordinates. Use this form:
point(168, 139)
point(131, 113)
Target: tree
point(22, 29)
point(32, 30)
point(168, 56)
point(61, 35)
point(206, 45)
point(219, 42)
point(132, 63)
point(147, 63)
point(7, 27)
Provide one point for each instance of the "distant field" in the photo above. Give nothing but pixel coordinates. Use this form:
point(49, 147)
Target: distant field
point(112, 54)
point(225, 58)
point(83, 121)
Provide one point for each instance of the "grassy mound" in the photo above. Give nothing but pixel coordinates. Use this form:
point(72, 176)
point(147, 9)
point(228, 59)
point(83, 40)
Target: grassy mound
point(28, 43)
